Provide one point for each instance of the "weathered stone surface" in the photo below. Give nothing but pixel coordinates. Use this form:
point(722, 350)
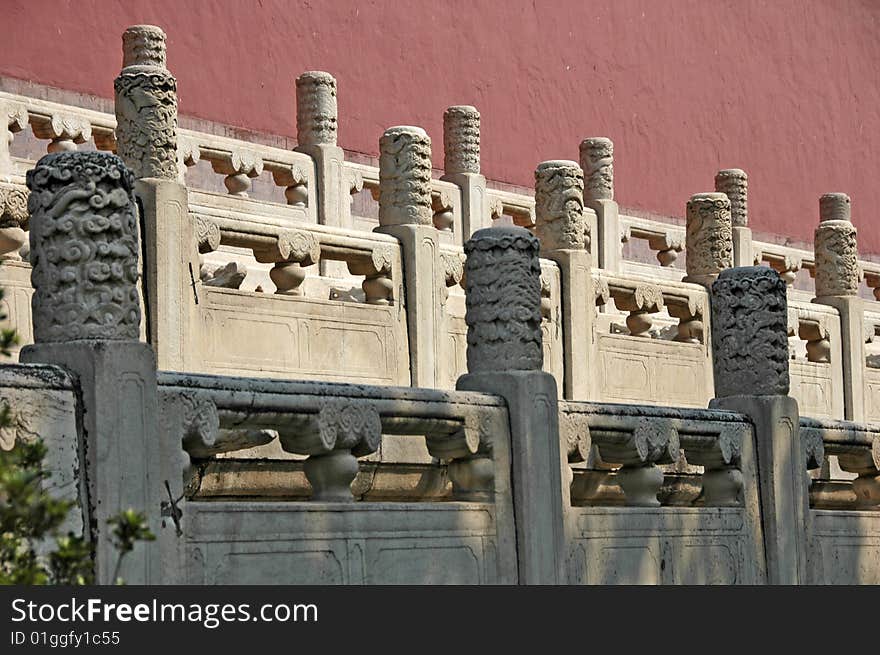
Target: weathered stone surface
point(559, 206)
point(84, 248)
point(734, 183)
point(405, 177)
point(146, 105)
point(750, 332)
point(316, 112)
point(836, 248)
point(597, 160)
point(709, 239)
point(503, 276)
point(461, 139)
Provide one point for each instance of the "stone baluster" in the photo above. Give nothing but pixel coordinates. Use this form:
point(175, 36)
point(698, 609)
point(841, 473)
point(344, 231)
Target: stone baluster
point(443, 204)
point(147, 141)
point(293, 250)
point(652, 441)
point(816, 334)
point(146, 105)
point(560, 225)
point(722, 483)
point(787, 267)
point(86, 318)
point(405, 212)
point(15, 117)
point(690, 319)
point(505, 357)
point(597, 162)
point(837, 276)
point(297, 185)
point(377, 270)
point(461, 146)
point(13, 215)
point(734, 183)
point(750, 362)
point(640, 302)
point(64, 130)
point(667, 247)
point(708, 237)
point(239, 167)
point(342, 431)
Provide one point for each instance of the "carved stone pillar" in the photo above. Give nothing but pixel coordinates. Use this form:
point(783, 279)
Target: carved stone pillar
point(709, 240)
point(836, 248)
point(559, 206)
point(405, 177)
point(750, 358)
point(86, 317)
point(597, 162)
point(734, 183)
point(505, 357)
point(405, 212)
point(461, 146)
point(316, 112)
point(317, 123)
point(146, 105)
point(837, 284)
point(561, 226)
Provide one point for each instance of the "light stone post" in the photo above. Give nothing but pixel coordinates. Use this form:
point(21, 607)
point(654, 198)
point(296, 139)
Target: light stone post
point(709, 240)
point(734, 183)
point(405, 212)
point(146, 105)
point(86, 318)
point(561, 227)
point(461, 147)
point(146, 112)
point(597, 162)
point(750, 360)
point(837, 285)
point(317, 124)
point(505, 357)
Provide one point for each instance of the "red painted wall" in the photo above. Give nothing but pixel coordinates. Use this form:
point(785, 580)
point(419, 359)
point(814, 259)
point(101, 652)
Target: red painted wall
point(786, 89)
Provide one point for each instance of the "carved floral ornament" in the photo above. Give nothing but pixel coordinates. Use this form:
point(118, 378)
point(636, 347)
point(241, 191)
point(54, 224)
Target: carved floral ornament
point(207, 232)
point(734, 183)
point(349, 425)
point(299, 246)
point(575, 434)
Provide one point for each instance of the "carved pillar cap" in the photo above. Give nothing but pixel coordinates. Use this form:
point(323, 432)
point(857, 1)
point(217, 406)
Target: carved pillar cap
point(709, 237)
point(316, 110)
point(461, 139)
point(597, 161)
point(734, 183)
point(834, 207)
point(84, 248)
point(143, 45)
point(503, 294)
point(405, 177)
point(835, 244)
point(559, 205)
point(750, 332)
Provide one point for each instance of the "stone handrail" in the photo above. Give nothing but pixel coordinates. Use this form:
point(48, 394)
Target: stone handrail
point(333, 424)
point(857, 448)
point(637, 438)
